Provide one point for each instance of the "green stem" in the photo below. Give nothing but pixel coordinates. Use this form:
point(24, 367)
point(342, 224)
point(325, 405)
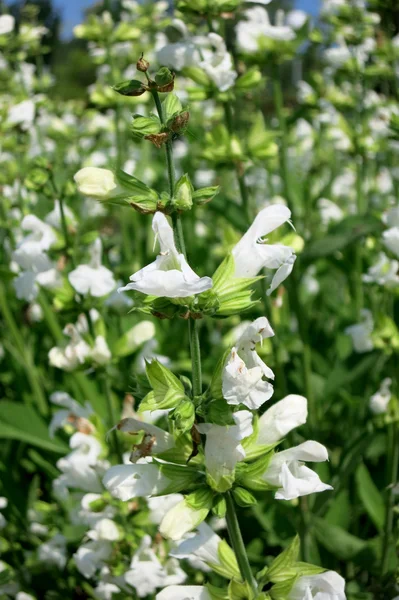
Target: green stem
point(283, 146)
point(245, 200)
point(64, 226)
point(195, 348)
point(20, 344)
point(237, 542)
point(111, 416)
point(393, 437)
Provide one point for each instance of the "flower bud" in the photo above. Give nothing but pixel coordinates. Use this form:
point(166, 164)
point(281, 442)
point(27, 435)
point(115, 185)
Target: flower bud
point(165, 80)
point(243, 497)
point(95, 182)
point(183, 194)
point(142, 64)
point(184, 415)
point(179, 123)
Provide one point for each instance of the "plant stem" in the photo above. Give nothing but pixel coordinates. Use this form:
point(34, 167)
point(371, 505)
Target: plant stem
point(237, 543)
point(111, 416)
point(195, 348)
point(285, 174)
point(25, 355)
point(393, 440)
point(67, 241)
point(245, 201)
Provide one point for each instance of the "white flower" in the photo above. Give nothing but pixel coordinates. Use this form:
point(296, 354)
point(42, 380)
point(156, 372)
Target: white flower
point(383, 272)
point(361, 332)
point(218, 65)
point(146, 573)
point(93, 554)
point(257, 26)
point(22, 114)
point(88, 516)
point(329, 211)
point(3, 504)
point(242, 379)
point(281, 418)
point(80, 467)
point(223, 448)
point(203, 545)
point(53, 552)
point(179, 54)
point(184, 592)
point(7, 24)
point(325, 586)
point(380, 400)
point(390, 239)
point(105, 590)
point(72, 410)
point(73, 355)
point(100, 353)
point(96, 183)
point(160, 505)
point(252, 253)
point(93, 278)
point(181, 519)
point(156, 440)
point(24, 596)
point(287, 471)
point(169, 275)
point(135, 481)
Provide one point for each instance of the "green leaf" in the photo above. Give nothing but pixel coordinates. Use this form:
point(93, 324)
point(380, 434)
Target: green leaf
point(142, 126)
point(283, 565)
point(216, 381)
point(205, 195)
point(171, 106)
point(370, 496)
point(133, 87)
point(168, 390)
point(347, 232)
point(21, 422)
point(228, 566)
point(336, 540)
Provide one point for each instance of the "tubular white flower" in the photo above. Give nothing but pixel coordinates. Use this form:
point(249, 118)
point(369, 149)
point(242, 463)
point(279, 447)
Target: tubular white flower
point(160, 505)
point(146, 573)
point(218, 65)
point(241, 385)
point(54, 551)
point(292, 477)
point(361, 333)
point(135, 481)
point(71, 409)
point(95, 182)
point(203, 545)
point(281, 418)
point(7, 24)
point(181, 519)
point(252, 254)
point(184, 592)
point(390, 239)
point(380, 400)
point(242, 378)
point(325, 586)
point(383, 272)
point(158, 440)
point(169, 275)
point(93, 278)
point(223, 449)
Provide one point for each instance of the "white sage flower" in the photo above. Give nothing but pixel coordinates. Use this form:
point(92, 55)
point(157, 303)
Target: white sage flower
point(169, 275)
point(380, 400)
point(383, 272)
point(146, 573)
point(361, 333)
point(7, 24)
point(243, 375)
point(281, 418)
point(135, 481)
point(93, 278)
point(181, 519)
point(218, 65)
point(184, 592)
point(287, 471)
point(252, 253)
point(223, 448)
point(324, 586)
point(203, 545)
point(54, 552)
point(71, 411)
